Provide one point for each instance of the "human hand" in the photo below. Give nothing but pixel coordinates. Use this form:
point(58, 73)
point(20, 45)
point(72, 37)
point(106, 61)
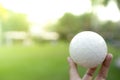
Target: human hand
point(89, 74)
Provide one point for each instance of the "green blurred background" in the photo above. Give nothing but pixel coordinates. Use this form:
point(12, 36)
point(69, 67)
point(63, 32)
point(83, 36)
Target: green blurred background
point(35, 36)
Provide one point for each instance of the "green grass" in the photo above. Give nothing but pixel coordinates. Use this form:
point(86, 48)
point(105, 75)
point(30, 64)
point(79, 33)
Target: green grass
point(42, 62)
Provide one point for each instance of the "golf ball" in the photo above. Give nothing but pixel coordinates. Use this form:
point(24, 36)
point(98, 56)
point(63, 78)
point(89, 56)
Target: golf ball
point(88, 49)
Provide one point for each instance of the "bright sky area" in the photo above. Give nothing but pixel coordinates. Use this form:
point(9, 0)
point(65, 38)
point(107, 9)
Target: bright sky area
point(43, 11)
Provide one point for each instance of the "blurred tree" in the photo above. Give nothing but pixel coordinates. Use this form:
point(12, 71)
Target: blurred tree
point(94, 20)
point(97, 2)
point(69, 25)
point(110, 30)
point(85, 21)
point(16, 22)
point(3, 17)
point(105, 2)
point(114, 27)
point(10, 20)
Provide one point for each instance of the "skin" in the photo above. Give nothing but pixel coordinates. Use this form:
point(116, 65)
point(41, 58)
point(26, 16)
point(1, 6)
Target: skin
point(102, 74)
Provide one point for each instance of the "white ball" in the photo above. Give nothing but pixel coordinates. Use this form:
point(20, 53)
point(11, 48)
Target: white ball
point(88, 49)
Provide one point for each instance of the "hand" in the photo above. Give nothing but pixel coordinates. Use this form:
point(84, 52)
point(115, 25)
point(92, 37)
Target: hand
point(89, 74)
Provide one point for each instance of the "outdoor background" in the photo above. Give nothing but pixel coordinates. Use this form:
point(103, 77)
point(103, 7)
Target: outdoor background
point(35, 36)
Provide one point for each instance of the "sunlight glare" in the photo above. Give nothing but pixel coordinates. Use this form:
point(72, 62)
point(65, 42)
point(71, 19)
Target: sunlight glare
point(42, 11)
point(111, 12)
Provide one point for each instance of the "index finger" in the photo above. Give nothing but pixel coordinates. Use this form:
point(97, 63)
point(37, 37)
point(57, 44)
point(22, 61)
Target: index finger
point(89, 74)
point(104, 69)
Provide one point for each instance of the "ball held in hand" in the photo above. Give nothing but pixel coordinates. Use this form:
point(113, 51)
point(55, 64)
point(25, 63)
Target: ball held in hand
point(88, 49)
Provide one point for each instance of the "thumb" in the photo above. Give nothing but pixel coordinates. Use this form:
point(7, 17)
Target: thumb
point(73, 70)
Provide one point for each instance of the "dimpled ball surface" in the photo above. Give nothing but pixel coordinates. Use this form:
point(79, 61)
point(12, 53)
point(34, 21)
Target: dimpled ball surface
point(88, 49)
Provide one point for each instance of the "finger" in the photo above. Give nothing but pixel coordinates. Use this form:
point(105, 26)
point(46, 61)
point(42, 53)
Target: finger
point(104, 69)
point(89, 74)
point(73, 70)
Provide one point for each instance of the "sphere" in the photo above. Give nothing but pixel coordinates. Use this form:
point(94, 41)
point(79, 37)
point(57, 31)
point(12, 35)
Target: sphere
point(88, 49)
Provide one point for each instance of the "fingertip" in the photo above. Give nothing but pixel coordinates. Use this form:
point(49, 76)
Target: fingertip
point(69, 59)
point(109, 56)
point(71, 62)
point(108, 60)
